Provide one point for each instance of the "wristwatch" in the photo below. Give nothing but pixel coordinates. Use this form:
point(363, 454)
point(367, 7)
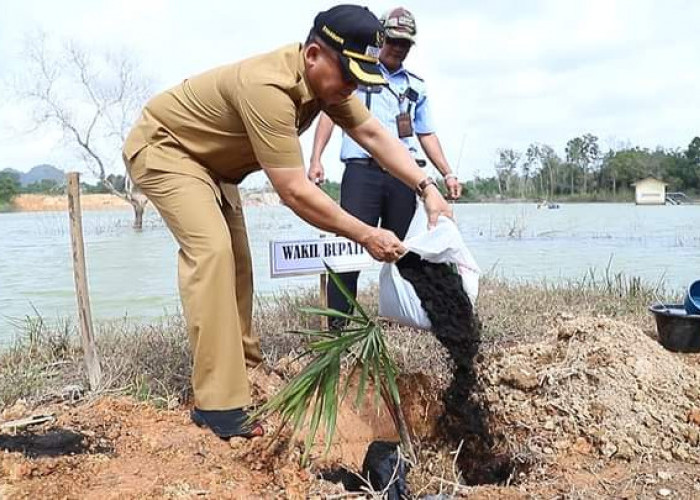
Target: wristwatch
point(423, 185)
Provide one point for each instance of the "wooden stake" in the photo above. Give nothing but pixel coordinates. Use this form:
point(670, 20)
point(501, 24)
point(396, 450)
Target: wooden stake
point(92, 361)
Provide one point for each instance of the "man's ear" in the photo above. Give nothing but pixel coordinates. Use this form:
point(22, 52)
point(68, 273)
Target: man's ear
point(312, 52)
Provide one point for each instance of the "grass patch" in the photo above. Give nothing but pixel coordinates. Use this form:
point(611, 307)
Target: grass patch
point(152, 361)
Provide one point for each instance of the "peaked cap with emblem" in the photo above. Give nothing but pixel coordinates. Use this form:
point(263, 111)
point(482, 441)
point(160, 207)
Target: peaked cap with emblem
point(356, 35)
point(399, 23)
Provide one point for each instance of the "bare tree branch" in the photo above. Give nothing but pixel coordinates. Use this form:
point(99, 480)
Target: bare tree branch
point(92, 100)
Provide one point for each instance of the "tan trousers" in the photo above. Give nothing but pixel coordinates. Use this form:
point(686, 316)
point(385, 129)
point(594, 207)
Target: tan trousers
point(214, 270)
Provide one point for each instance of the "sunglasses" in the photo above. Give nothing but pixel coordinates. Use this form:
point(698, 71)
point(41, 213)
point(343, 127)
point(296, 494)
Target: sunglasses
point(398, 42)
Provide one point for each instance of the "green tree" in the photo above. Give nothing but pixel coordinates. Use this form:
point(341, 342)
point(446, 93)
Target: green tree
point(551, 166)
point(544, 164)
point(9, 186)
point(506, 169)
point(484, 187)
point(332, 189)
point(584, 153)
point(97, 188)
point(44, 186)
point(679, 172)
point(526, 168)
point(693, 151)
point(622, 168)
point(692, 154)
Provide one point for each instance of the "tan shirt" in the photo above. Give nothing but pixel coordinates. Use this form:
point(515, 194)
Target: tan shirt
point(234, 118)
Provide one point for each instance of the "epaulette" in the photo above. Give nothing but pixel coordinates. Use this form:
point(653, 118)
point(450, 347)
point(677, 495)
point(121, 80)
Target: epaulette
point(415, 76)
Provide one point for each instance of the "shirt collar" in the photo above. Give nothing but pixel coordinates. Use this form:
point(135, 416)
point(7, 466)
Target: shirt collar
point(389, 73)
point(302, 89)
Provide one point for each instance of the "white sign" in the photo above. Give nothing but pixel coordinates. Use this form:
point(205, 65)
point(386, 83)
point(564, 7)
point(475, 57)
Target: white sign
point(298, 257)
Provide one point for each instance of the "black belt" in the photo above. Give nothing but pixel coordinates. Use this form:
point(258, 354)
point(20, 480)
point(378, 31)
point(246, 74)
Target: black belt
point(368, 162)
point(371, 162)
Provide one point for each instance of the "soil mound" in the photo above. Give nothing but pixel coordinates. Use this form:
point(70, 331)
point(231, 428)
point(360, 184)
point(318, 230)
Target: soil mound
point(600, 408)
point(595, 386)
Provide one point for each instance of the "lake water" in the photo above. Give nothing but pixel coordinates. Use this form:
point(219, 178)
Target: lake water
point(134, 273)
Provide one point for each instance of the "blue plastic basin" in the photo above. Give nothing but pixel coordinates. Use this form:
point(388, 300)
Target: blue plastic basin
point(692, 298)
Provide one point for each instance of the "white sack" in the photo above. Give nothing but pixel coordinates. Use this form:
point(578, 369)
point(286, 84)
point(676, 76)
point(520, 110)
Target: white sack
point(442, 244)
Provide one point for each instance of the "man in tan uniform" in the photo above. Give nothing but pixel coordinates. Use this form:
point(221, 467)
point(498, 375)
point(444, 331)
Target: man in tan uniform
point(195, 142)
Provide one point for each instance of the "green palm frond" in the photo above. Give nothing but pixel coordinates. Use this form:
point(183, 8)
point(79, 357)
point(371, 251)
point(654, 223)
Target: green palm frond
point(346, 293)
point(315, 394)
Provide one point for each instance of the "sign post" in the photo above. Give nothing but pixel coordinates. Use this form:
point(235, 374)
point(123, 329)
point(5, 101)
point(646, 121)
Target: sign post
point(323, 294)
point(303, 257)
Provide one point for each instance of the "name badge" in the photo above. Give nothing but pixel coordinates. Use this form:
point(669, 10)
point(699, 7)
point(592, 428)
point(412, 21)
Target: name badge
point(404, 125)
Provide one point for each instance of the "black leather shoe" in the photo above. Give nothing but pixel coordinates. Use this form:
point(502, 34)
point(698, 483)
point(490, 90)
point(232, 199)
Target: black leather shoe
point(227, 423)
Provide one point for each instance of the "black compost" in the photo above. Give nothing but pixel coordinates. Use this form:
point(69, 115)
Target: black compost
point(456, 325)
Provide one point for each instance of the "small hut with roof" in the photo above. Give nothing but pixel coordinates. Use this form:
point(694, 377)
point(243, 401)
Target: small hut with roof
point(650, 191)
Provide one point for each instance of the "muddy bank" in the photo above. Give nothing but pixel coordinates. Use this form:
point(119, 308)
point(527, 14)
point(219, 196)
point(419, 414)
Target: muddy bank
point(42, 202)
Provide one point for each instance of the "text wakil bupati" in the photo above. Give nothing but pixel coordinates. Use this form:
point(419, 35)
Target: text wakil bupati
point(314, 250)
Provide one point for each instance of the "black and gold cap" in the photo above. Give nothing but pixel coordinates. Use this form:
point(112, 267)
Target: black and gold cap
point(357, 35)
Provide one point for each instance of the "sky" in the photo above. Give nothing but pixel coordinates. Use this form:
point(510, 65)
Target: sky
point(499, 74)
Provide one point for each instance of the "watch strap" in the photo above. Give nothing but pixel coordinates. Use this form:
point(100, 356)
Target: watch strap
point(423, 185)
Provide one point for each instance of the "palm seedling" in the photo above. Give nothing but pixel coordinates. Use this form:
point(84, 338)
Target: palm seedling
point(316, 392)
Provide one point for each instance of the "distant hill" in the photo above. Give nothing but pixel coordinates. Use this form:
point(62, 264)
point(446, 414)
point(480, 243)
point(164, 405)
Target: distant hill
point(38, 173)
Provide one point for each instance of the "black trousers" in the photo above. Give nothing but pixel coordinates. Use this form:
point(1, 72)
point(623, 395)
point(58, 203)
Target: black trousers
point(375, 197)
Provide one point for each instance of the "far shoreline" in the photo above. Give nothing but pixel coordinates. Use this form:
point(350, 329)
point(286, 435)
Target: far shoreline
point(101, 201)
point(105, 201)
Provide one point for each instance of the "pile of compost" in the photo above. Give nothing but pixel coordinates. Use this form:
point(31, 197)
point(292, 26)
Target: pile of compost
point(456, 325)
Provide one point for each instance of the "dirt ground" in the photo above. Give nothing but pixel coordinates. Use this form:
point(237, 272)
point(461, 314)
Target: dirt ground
point(117, 447)
point(597, 409)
